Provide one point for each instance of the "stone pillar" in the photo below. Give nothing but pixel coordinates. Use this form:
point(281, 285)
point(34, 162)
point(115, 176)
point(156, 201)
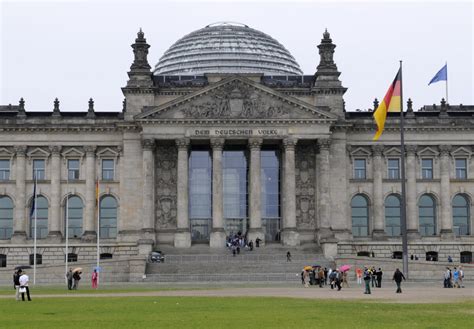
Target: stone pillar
point(255, 191)
point(217, 239)
point(324, 196)
point(90, 233)
point(20, 220)
point(182, 237)
point(446, 217)
point(411, 193)
point(378, 231)
point(148, 200)
point(289, 234)
point(55, 219)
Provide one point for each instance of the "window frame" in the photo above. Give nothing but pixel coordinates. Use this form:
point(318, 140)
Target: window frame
point(367, 218)
point(456, 168)
point(35, 171)
point(427, 169)
point(358, 170)
point(76, 172)
point(5, 173)
point(103, 170)
point(391, 169)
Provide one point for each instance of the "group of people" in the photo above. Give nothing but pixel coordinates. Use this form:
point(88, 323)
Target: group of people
point(236, 242)
point(453, 278)
point(73, 278)
point(373, 276)
point(20, 284)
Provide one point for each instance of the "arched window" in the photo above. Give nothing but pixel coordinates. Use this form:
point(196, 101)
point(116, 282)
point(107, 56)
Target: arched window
point(41, 218)
point(461, 215)
point(39, 259)
point(6, 217)
point(108, 217)
point(392, 215)
point(427, 215)
point(360, 216)
point(73, 216)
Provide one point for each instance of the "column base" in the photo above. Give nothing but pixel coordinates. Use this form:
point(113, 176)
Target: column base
point(330, 249)
point(89, 236)
point(413, 234)
point(379, 235)
point(147, 234)
point(255, 233)
point(19, 237)
point(54, 237)
point(217, 239)
point(182, 239)
point(145, 246)
point(290, 237)
point(447, 234)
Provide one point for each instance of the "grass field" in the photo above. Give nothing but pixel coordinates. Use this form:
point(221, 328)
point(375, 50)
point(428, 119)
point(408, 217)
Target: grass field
point(228, 312)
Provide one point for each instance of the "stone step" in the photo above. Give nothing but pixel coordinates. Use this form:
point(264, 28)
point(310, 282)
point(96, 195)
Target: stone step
point(242, 257)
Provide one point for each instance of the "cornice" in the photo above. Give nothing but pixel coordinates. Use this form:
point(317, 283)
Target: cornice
point(233, 121)
point(73, 129)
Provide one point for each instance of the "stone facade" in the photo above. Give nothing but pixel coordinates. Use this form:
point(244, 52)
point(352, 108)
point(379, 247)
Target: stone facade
point(144, 184)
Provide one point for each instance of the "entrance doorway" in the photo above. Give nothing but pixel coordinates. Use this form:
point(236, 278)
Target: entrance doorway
point(271, 229)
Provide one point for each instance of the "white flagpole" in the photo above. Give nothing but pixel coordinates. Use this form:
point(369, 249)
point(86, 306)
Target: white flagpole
point(447, 101)
point(67, 229)
point(98, 229)
point(36, 229)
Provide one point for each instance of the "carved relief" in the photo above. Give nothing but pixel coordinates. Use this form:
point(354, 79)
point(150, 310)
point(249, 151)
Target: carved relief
point(166, 160)
point(305, 186)
point(235, 101)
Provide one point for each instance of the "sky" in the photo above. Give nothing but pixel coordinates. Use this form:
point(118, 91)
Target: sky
point(75, 50)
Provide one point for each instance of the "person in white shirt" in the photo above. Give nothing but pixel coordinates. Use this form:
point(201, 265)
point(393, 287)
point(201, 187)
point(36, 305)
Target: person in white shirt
point(24, 284)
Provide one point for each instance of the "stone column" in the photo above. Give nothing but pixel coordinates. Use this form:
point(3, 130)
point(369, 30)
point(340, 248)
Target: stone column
point(90, 233)
point(324, 231)
point(378, 231)
point(446, 218)
point(182, 237)
point(411, 193)
point(217, 239)
point(55, 219)
point(289, 234)
point(20, 220)
point(255, 191)
point(148, 200)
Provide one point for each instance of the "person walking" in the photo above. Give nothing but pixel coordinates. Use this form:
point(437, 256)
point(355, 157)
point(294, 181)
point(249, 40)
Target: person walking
point(69, 278)
point(23, 280)
point(456, 278)
point(367, 281)
point(288, 256)
point(16, 283)
point(76, 277)
point(461, 277)
point(397, 277)
point(373, 277)
point(359, 275)
point(379, 274)
point(94, 278)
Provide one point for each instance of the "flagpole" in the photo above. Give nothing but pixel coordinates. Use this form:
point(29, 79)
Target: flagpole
point(67, 228)
point(98, 230)
point(403, 217)
point(447, 101)
point(36, 229)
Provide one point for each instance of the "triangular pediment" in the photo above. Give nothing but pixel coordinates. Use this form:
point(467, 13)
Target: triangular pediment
point(233, 98)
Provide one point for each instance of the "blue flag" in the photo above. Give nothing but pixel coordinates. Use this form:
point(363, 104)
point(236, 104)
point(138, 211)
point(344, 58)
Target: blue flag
point(442, 75)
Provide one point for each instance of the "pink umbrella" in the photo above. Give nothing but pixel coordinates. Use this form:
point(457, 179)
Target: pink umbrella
point(344, 268)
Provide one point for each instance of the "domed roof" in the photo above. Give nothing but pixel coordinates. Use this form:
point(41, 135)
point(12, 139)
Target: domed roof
point(227, 48)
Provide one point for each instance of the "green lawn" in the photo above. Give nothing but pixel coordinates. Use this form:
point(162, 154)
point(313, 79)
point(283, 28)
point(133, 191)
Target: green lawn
point(209, 312)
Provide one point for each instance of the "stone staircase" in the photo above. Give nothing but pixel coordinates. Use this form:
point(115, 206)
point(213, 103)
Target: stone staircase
point(203, 264)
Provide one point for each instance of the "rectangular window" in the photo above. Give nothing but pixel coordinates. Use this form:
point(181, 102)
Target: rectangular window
point(461, 168)
point(359, 169)
point(427, 168)
point(108, 168)
point(393, 169)
point(73, 169)
point(38, 169)
point(4, 169)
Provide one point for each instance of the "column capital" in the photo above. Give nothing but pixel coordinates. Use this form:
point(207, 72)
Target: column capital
point(324, 144)
point(20, 150)
point(289, 143)
point(182, 143)
point(90, 150)
point(377, 150)
point(217, 143)
point(55, 149)
point(256, 143)
point(411, 149)
point(444, 150)
point(148, 144)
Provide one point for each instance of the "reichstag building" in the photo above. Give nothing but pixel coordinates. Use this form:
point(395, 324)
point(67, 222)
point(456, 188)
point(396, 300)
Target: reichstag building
point(227, 134)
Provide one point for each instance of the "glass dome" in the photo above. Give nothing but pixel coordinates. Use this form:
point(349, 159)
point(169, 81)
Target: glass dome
point(227, 48)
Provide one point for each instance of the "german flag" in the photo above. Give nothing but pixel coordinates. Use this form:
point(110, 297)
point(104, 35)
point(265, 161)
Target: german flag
point(391, 103)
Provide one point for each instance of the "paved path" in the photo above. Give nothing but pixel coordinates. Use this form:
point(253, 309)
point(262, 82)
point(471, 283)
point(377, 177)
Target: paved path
point(411, 293)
